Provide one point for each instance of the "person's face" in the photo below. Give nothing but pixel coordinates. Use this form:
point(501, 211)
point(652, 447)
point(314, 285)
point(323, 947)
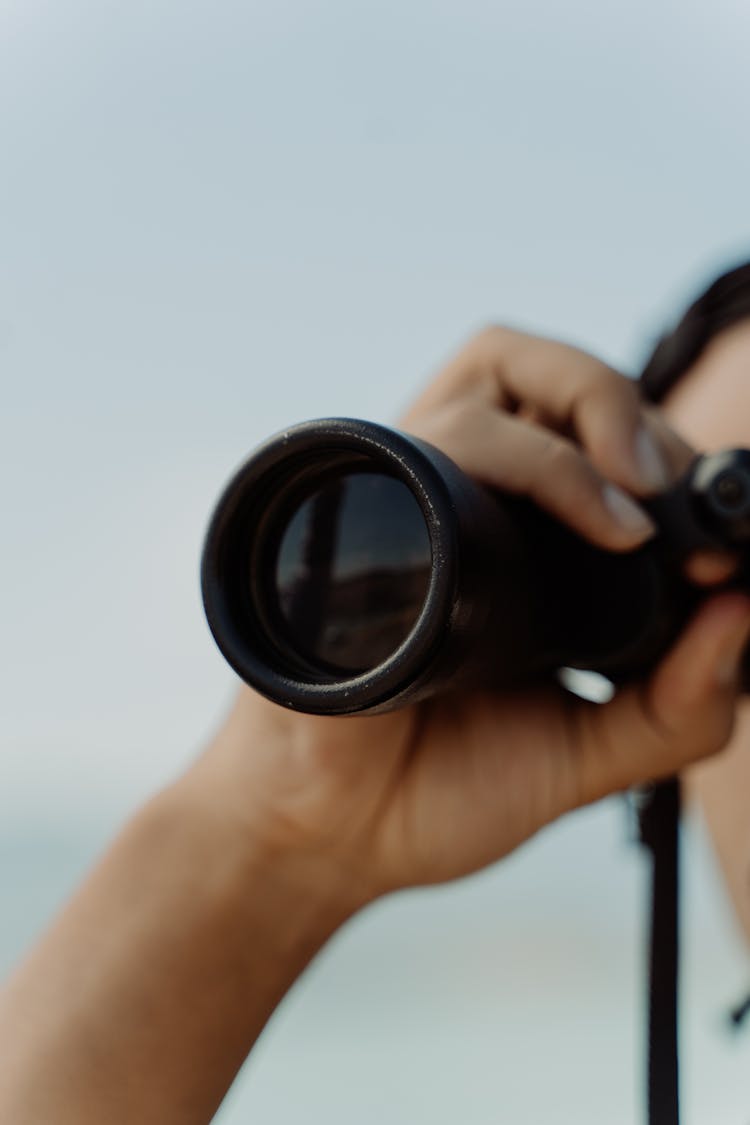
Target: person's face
point(710, 407)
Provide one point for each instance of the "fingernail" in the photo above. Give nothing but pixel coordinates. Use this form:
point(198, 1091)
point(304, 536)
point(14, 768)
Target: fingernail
point(630, 516)
point(653, 470)
point(728, 664)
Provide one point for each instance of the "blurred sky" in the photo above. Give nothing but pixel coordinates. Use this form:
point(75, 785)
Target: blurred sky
point(219, 218)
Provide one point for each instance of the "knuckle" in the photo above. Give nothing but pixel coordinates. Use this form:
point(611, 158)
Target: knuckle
point(563, 479)
point(491, 347)
point(490, 336)
point(558, 458)
point(459, 416)
point(449, 423)
point(605, 384)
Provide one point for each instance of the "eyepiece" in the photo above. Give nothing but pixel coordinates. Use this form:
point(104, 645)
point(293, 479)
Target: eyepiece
point(730, 493)
point(721, 488)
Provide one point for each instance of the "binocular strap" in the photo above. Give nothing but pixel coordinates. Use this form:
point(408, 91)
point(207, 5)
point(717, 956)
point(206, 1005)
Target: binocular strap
point(659, 822)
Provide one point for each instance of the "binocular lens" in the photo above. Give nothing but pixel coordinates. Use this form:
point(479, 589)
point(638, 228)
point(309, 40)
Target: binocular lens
point(346, 569)
point(352, 571)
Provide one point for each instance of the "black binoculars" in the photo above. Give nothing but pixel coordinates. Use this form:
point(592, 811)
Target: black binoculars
point(349, 567)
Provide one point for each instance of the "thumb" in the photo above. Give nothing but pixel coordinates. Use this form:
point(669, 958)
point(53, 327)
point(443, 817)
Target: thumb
point(685, 711)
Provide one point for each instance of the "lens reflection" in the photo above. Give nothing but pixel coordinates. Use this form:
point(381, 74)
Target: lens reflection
point(353, 570)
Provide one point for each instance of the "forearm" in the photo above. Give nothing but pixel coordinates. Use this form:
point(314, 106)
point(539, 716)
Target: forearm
point(143, 999)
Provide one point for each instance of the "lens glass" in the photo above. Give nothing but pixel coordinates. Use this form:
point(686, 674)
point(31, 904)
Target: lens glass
point(352, 571)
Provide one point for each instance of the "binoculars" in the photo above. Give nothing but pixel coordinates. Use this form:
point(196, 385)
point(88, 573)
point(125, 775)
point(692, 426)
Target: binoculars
point(349, 567)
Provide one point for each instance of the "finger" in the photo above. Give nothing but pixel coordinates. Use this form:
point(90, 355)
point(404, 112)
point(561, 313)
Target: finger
point(629, 443)
point(516, 456)
point(709, 568)
point(684, 712)
point(679, 455)
point(511, 370)
point(571, 390)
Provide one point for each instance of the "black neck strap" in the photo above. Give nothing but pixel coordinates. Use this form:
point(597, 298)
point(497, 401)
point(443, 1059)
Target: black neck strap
point(659, 821)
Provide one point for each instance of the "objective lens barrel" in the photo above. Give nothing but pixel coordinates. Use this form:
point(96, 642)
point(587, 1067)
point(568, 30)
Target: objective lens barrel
point(350, 567)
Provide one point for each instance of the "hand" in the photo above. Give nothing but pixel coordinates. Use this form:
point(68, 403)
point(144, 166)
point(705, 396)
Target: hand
point(437, 790)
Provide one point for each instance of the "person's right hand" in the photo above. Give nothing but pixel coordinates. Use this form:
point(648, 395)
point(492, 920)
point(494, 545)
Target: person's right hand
point(439, 789)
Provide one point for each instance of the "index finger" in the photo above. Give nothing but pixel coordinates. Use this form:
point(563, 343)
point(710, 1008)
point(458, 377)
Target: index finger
point(570, 391)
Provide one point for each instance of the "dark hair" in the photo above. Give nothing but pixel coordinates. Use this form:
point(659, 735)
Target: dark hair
point(724, 303)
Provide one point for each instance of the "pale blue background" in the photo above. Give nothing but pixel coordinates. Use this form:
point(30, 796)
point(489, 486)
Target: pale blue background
point(217, 218)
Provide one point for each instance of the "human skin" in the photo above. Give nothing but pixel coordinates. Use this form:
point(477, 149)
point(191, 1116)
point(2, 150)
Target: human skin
point(146, 994)
point(710, 406)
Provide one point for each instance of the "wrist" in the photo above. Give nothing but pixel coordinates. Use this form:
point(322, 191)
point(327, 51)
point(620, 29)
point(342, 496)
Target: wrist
point(242, 792)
